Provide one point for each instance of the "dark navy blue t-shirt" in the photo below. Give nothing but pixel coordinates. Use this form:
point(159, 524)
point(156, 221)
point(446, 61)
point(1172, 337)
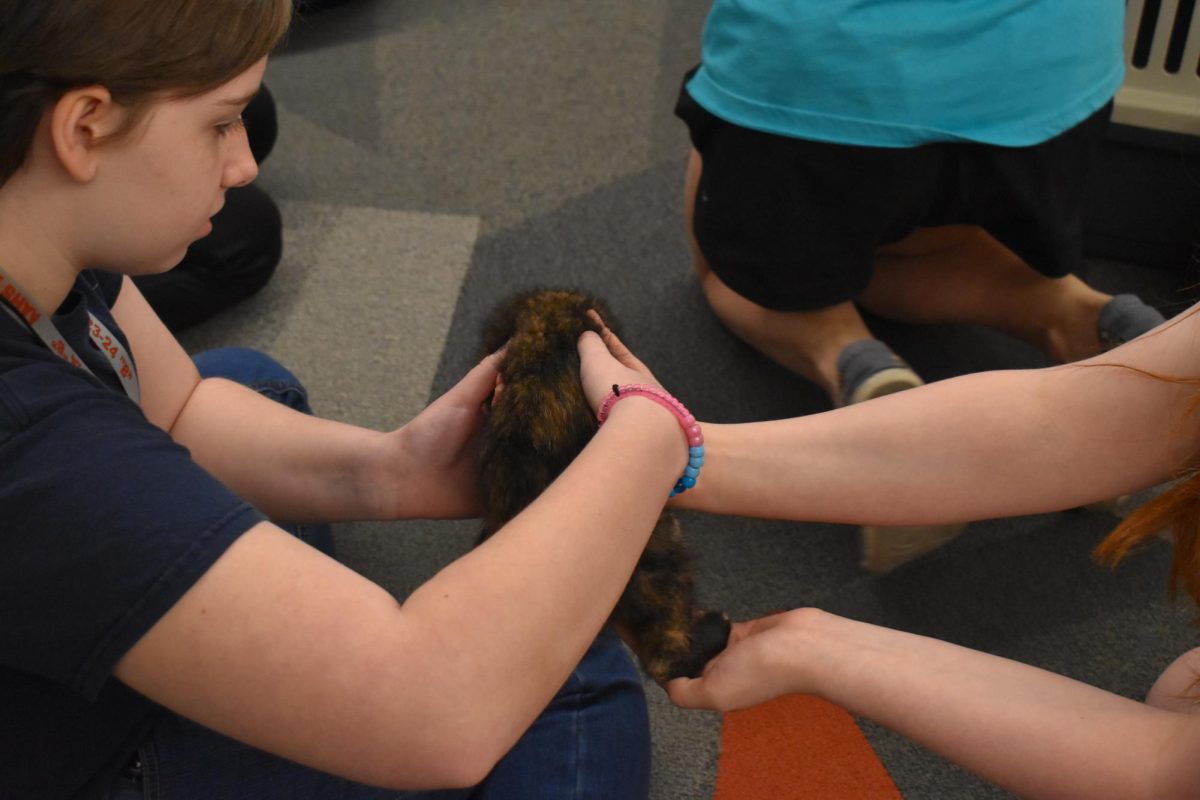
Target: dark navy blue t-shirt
point(105, 523)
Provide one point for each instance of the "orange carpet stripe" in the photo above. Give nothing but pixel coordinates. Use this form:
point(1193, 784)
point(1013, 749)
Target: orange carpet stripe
point(798, 748)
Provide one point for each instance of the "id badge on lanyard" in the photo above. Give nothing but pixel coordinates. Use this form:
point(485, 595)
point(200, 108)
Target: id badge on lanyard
point(18, 304)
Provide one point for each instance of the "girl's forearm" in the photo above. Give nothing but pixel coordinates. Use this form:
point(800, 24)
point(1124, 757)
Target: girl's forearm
point(532, 597)
point(292, 466)
point(952, 451)
point(1033, 732)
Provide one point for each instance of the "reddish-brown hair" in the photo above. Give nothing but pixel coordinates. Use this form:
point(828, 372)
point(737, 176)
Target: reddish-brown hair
point(139, 50)
point(1176, 510)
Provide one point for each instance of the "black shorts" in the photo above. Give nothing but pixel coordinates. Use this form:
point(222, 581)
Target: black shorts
point(793, 224)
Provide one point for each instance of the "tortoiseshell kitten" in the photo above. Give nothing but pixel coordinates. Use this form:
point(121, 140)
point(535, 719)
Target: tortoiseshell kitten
point(538, 424)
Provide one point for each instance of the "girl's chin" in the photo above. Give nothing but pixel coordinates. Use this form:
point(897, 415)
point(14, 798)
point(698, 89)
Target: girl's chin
point(167, 264)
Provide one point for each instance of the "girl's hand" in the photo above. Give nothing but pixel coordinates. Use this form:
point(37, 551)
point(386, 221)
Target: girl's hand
point(761, 662)
point(435, 453)
point(605, 360)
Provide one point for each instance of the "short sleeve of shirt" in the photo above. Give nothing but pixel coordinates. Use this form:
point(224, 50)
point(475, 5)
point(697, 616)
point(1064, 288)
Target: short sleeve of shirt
point(105, 523)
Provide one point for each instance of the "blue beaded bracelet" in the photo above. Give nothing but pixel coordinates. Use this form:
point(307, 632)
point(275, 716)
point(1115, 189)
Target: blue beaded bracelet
point(691, 428)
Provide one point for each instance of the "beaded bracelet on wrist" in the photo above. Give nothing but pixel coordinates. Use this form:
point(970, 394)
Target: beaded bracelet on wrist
point(691, 428)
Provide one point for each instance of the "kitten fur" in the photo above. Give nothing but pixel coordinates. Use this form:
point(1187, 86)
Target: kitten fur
point(538, 423)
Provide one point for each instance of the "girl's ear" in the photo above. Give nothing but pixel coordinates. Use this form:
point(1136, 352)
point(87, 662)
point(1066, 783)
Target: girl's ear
point(79, 122)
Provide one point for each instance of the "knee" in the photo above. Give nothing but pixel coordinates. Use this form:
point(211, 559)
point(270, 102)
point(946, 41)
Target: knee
point(256, 370)
point(240, 364)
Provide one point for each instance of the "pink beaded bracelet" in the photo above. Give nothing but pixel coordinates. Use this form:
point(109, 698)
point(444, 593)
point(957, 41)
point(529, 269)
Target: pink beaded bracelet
point(691, 428)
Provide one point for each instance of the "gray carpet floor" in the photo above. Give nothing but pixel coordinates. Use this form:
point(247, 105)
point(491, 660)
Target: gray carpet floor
point(435, 156)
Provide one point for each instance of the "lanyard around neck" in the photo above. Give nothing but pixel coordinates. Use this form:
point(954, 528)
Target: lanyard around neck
point(20, 306)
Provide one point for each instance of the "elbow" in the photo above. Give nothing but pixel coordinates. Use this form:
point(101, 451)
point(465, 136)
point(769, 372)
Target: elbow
point(462, 767)
point(465, 761)
point(458, 765)
point(463, 770)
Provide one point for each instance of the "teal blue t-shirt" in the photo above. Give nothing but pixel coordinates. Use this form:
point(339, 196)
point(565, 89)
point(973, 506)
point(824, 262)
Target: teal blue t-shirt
point(900, 73)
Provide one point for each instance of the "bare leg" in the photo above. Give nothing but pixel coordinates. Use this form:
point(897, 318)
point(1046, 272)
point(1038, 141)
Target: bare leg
point(806, 342)
point(950, 274)
point(960, 274)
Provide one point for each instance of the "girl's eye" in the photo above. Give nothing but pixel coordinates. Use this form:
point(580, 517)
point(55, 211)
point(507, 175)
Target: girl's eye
point(226, 128)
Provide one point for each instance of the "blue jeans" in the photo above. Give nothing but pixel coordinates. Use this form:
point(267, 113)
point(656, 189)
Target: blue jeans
point(591, 743)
